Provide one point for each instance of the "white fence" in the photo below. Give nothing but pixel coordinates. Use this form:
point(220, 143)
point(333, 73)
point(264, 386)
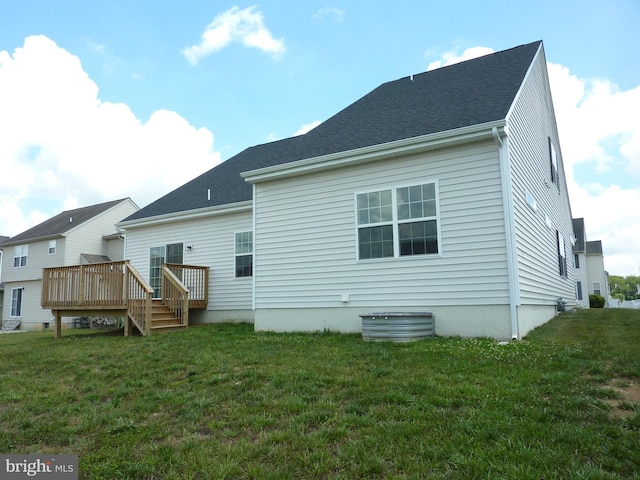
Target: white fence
point(615, 303)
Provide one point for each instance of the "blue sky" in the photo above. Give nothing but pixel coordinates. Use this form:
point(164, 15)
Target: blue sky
point(108, 99)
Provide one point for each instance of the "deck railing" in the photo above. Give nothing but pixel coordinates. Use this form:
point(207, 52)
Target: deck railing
point(117, 286)
point(195, 279)
point(175, 295)
point(95, 286)
point(139, 300)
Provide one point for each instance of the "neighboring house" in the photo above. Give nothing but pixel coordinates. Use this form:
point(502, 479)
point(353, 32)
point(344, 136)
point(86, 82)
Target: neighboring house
point(588, 261)
point(2, 239)
point(62, 240)
point(443, 192)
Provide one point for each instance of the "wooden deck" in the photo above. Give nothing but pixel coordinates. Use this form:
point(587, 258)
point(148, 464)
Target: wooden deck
point(116, 289)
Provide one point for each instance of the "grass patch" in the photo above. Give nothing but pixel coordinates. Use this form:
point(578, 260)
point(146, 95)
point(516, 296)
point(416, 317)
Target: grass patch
point(220, 401)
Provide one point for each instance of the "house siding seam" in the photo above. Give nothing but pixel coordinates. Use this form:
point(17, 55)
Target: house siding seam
point(530, 123)
point(306, 252)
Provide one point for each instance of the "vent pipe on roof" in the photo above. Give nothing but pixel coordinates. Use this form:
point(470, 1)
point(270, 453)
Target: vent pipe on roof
point(70, 219)
point(209, 194)
point(411, 77)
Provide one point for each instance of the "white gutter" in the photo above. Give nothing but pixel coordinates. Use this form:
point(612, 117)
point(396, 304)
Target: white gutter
point(510, 232)
point(187, 215)
point(373, 153)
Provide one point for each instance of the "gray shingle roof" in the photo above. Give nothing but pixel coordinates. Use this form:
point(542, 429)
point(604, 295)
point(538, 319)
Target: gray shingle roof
point(594, 247)
point(469, 93)
point(61, 223)
point(578, 231)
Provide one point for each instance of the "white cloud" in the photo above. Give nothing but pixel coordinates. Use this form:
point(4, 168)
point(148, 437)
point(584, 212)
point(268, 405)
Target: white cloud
point(63, 147)
point(329, 11)
point(245, 26)
point(599, 133)
point(305, 128)
point(449, 58)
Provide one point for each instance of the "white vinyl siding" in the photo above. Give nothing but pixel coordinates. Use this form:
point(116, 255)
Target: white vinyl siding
point(212, 244)
point(306, 243)
point(530, 125)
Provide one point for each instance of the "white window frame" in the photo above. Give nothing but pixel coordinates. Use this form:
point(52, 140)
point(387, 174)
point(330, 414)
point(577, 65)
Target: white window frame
point(395, 222)
point(156, 280)
point(20, 256)
point(596, 288)
point(52, 247)
point(17, 296)
point(238, 241)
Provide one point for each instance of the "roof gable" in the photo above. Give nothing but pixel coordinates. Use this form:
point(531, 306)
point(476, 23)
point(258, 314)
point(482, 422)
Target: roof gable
point(468, 93)
point(62, 223)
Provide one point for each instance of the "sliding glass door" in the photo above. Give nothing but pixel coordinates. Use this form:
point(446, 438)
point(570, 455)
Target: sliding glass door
point(170, 253)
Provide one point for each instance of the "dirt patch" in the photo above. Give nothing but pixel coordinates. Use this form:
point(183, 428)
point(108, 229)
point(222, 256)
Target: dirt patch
point(628, 401)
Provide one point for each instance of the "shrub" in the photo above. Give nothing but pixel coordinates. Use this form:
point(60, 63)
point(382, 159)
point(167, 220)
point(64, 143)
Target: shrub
point(596, 301)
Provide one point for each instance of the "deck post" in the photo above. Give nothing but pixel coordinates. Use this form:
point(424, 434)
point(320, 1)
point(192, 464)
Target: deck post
point(127, 325)
point(58, 318)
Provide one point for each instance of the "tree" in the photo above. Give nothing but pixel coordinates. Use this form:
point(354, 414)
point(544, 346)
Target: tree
point(624, 288)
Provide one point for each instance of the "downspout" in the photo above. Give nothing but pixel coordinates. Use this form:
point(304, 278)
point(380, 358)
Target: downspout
point(509, 224)
point(253, 279)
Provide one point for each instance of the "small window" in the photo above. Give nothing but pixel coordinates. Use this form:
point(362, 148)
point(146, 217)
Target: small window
point(20, 254)
point(16, 302)
point(562, 257)
point(596, 288)
point(244, 254)
point(579, 290)
point(576, 260)
point(52, 247)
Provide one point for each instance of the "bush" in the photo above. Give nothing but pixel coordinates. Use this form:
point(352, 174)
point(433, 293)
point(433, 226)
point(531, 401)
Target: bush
point(596, 301)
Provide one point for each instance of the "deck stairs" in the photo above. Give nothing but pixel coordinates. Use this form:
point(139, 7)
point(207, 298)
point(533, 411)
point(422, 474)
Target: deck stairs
point(163, 319)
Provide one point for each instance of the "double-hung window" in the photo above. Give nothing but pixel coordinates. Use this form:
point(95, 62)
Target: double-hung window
point(596, 288)
point(398, 222)
point(52, 247)
point(244, 254)
point(20, 254)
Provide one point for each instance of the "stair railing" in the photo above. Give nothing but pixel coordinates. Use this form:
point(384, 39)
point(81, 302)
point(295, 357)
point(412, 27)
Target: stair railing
point(139, 299)
point(175, 295)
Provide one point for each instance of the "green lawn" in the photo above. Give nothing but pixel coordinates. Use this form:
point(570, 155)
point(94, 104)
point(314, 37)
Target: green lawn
point(221, 401)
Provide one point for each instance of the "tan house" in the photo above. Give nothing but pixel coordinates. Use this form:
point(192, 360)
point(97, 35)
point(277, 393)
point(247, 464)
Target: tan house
point(80, 236)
